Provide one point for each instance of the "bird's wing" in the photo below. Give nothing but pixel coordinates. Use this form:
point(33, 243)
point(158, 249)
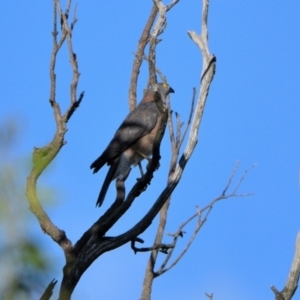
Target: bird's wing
point(138, 123)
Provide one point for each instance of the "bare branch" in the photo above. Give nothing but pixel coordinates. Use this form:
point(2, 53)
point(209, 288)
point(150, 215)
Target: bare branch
point(152, 62)
point(292, 282)
point(160, 247)
point(171, 128)
point(243, 177)
point(68, 8)
point(106, 221)
point(209, 296)
point(144, 39)
point(94, 242)
point(179, 233)
point(42, 157)
point(49, 290)
point(161, 22)
point(174, 2)
point(158, 29)
point(231, 177)
point(54, 33)
point(73, 57)
point(178, 129)
point(73, 107)
point(158, 71)
point(190, 118)
point(200, 222)
point(278, 295)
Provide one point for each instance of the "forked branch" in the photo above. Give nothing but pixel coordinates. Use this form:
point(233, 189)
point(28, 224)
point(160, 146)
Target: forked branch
point(176, 169)
point(293, 278)
point(42, 157)
point(201, 215)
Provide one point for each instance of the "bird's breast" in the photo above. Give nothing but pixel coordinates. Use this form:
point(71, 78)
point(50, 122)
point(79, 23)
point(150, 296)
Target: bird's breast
point(137, 152)
point(144, 146)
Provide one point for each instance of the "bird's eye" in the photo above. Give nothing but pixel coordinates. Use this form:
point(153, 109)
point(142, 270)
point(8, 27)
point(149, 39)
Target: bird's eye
point(165, 85)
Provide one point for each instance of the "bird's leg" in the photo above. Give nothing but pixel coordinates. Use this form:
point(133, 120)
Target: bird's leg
point(124, 176)
point(141, 169)
point(145, 157)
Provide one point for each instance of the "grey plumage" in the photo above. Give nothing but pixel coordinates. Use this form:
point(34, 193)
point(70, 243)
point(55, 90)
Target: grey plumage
point(133, 141)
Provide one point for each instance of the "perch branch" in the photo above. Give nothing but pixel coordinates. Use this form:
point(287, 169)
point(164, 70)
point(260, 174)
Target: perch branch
point(95, 242)
point(160, 247)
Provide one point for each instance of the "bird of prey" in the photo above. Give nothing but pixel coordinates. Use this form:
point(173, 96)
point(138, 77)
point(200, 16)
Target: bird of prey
point(133, 141)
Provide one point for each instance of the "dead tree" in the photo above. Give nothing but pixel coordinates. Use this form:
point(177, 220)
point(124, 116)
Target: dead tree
point(94, 242)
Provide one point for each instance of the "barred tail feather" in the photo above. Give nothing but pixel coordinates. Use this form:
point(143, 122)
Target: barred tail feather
point(108, 179)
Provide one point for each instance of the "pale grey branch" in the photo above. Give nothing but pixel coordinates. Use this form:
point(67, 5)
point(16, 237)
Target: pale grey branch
point(293, 277)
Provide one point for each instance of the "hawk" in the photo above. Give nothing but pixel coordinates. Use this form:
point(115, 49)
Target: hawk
point(133, 141)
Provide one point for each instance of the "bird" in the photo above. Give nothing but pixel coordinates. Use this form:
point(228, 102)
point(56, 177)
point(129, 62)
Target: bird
point(133, 140)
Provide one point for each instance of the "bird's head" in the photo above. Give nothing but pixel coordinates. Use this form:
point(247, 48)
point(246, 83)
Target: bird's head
point(164, 89)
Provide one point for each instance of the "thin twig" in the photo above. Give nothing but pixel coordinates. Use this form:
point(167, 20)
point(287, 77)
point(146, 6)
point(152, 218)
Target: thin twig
point(210, 296)
point(174, 2)
point(158, 71)
point(201, 219)
point(42, 157)
point(72, 56)
point(178, 129)
point(160, 247)
point(190, 118)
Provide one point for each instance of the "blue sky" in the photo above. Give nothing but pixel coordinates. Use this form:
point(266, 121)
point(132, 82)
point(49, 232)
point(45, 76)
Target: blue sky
point(252, 115)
